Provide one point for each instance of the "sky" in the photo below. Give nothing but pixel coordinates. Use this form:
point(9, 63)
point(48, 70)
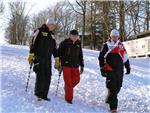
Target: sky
point(35, 6)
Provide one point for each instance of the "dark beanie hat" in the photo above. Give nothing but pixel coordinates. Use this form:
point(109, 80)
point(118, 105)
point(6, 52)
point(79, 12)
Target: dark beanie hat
point(74, 32)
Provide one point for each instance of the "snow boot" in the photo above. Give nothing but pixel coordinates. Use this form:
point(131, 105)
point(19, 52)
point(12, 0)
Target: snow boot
point(42, 98)
point(47, 99)
point(39, 98)
point(113, 111)
point(69, 101)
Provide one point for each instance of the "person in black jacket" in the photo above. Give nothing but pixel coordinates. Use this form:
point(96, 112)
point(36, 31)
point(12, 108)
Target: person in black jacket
point(42, 47)
point(71, 57)
point(112, 58)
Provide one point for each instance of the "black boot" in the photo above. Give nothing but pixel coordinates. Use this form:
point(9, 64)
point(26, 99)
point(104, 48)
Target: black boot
point(47, 99)
point(69, 101)
point(113, 111)
point(38, 98)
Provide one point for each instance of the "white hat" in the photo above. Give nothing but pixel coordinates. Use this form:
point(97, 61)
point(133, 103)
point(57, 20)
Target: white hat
point(50, 21)
point(114, 32)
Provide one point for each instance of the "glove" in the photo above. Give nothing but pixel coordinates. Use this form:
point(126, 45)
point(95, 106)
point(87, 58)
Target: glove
point(81, 70)
point(127, 66)
point(31, 58)
point(103, 73)
point(127, 71)
point(57, 63)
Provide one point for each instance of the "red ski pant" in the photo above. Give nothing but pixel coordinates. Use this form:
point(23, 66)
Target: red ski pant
point(71, 79)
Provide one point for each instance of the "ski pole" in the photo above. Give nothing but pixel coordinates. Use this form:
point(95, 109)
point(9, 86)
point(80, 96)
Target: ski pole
point(60, 70)
point(28, 77)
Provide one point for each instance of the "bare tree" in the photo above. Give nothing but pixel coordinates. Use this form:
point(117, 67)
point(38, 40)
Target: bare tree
point(105, 14)
point(2, 7)
point(147, 15)
point(16, 31)
point(66, 19)
point(131, 17)
point(137, 14)
point(122, 20)
point(82, 11)
point(93, 24)
point(63, 14)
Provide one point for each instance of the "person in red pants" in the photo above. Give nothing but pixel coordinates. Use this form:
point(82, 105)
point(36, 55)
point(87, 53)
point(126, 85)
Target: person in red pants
point(71, 56)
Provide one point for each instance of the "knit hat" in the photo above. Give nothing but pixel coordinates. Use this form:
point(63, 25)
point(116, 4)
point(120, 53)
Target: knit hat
point(74, 32)
point(114, 32)
point(50, 21)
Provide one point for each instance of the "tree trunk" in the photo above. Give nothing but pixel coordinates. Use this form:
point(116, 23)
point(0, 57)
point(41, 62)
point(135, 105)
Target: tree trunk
point(147, 14)
point(91, 22)
point(106, 25)
point(83, 28)
point(122, 20)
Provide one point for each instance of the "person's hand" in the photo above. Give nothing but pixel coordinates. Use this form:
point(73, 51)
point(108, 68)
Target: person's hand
point(30, 58)
point(57, 63)
point(81, 70)
point(127, 71)
point(127, 66)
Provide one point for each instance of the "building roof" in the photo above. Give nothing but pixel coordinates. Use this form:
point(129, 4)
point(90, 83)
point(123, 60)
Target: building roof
point(140, 35)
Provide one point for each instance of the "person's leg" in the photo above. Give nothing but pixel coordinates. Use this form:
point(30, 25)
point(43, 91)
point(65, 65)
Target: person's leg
point(108, 86)
point(107, 97)
point(111, 84)
point(37, 89)
point(113, 101)
point(114, 96)
point(47, 80)
point(75, 76)
point(68, 83)
point(39, 81)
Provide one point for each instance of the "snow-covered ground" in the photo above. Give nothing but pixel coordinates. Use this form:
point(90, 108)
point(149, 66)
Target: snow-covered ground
point(89, 95)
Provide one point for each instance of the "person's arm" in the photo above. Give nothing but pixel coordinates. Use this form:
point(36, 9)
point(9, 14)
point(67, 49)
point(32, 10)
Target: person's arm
point(56, 56)
point(81, 57)
point(127, 66)
point(126, 61)
point(102, 54)
point(33, 46)
point(81, 60)
point(55, 50)
point(61, 49)
point(34, 41)
point(102, 60)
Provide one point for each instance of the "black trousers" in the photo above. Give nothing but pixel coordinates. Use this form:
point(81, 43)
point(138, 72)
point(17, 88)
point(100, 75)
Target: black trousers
point(43, 79)
point(114, 87)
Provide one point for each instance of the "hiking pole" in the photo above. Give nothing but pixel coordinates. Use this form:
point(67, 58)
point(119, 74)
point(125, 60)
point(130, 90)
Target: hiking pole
point(60, 70)
point(28, 77)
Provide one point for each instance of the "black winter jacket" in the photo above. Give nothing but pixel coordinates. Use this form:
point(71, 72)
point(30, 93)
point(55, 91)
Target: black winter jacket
point(115, 61)
point(71, 54)
point(43, 45)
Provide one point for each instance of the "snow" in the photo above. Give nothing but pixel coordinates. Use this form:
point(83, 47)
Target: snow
point(2, 41)
point(89, 95)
